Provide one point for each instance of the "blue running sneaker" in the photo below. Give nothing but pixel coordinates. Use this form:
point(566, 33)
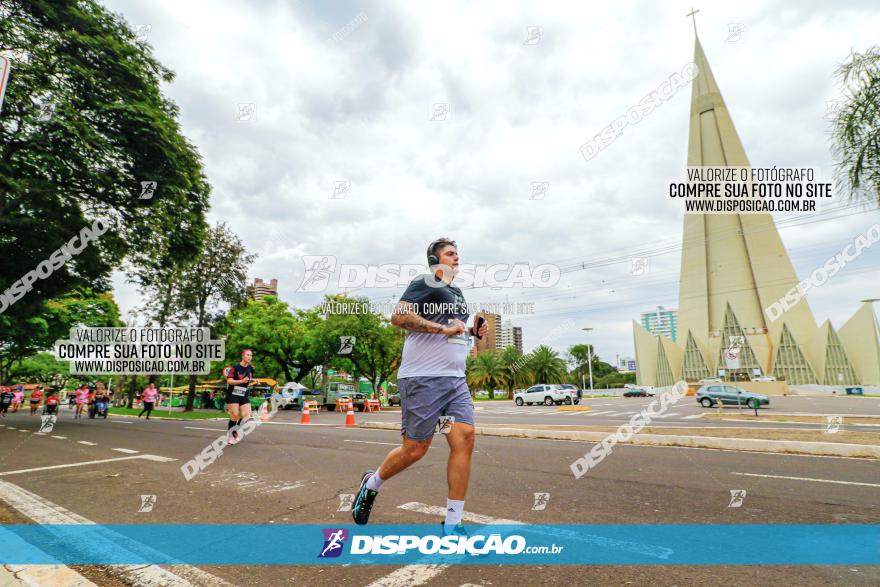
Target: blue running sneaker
point(363, 501)
point(458, 530)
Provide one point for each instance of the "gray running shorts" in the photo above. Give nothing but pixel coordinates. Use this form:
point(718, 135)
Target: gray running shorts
point(424, 399)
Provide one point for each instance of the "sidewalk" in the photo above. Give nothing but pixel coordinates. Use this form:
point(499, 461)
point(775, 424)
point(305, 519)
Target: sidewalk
point(42, 576)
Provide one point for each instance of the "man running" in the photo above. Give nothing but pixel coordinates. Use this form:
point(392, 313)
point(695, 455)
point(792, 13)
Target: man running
point(431, 380)
point(36, 398)
point(238, 402)
point(149, 399)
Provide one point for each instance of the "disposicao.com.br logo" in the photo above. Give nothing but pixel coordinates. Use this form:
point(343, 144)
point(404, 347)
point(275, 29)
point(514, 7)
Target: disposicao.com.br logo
point(402, 544)
point(322, 272)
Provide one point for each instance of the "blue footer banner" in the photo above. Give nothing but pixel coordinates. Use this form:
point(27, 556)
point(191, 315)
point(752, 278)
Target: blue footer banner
point(604, 544)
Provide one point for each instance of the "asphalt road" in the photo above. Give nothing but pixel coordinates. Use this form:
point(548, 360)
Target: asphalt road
point(289, 474)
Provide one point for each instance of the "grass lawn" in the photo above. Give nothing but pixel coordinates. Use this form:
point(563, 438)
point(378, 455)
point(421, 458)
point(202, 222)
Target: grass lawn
point(160, 413)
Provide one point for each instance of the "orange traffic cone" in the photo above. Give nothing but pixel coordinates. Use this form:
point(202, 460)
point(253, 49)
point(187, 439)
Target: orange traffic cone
point(264, 412)
point(305, 415)
point(349, 415)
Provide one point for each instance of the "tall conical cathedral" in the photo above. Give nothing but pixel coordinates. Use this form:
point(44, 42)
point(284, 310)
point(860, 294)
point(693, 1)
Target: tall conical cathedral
point(732, 268)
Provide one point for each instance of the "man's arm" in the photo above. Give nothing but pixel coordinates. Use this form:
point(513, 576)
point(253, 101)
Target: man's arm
point(405, 316)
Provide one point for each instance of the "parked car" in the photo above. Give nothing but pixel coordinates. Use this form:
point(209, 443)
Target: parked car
point(764, 378)
point(709, 395)
point(394, 399)
point(577, 391)
point(711, 380)
point(547, 394)
point(639, 390)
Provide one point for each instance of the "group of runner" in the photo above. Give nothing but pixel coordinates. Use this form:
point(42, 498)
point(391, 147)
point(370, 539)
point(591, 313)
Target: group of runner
point(95, 398)
point(13, 398)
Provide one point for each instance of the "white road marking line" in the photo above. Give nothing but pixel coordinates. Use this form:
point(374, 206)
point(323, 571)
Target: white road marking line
point(127, 451)
point(603, 413)
point(81, 464)
point(24, 430)
point(373, 442)
point(13, 428)
point(87, 443)
point(115, 421)
point(618, 414)
point(44, 512)
point(60, 437)
point(421, 574)
point(666, 415)
point(436, 510)
point(693, 417)
point(197, 428)
point(409, 575)
point(808, 479)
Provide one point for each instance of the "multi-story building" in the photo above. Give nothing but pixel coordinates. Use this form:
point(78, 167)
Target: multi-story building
point(661, 321)
point(626, 364)
point(493, 337)
point(261, 289)
point(500, 335)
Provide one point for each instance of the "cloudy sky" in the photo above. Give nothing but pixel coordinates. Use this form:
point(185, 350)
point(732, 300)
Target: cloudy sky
point(345, 91)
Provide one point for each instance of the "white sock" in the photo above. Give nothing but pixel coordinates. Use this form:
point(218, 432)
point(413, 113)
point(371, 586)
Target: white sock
point(374, 483)
point(454, 510)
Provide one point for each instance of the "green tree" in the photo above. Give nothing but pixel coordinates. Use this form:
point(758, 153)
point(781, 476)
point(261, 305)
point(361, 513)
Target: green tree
point(515, 375)
point(580, 357)
point(84, 122)
point(217, 275)
point(22, 338)
point(290, 343)
point(546, 366)
point(856, 127)
point(377, 347)
point(41, 368)
point(486, 370)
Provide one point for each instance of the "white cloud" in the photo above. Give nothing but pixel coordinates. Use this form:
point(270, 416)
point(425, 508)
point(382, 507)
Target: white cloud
point(356, 108)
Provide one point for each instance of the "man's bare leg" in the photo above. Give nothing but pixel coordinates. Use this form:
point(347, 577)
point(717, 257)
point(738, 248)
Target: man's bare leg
point(461, 441)
point(403, 456)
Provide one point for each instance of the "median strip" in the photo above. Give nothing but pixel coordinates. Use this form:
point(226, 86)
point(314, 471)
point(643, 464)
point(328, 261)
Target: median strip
point(691, 439)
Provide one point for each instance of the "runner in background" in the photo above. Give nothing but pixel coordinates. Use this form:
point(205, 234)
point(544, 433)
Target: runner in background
point(80, 396)
point(239, 378)
point(17, 398)
point(36, 398)
point(149, 398)
point(51, 402)
point(90, 398)
point(6, 396)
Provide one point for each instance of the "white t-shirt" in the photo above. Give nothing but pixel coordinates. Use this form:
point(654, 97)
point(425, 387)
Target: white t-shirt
point(429, 354)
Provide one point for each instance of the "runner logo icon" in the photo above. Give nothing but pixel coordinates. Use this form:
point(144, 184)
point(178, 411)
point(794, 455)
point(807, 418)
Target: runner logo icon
point(334, 540)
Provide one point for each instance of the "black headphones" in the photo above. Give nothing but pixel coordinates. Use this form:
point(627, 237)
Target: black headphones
point(433, 259)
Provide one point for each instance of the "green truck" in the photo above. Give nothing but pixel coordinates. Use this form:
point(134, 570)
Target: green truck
point(335, 390)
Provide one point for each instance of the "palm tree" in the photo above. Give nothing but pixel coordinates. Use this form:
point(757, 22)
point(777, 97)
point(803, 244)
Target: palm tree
point(486, 371)
point(515, 372)
point(856, 126)
point(546, 366)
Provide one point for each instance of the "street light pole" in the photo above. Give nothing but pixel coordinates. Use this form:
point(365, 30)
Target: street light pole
point(589, 360)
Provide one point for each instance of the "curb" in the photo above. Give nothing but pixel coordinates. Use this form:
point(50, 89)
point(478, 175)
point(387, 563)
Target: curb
point(154, 417)
point(832, 449)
